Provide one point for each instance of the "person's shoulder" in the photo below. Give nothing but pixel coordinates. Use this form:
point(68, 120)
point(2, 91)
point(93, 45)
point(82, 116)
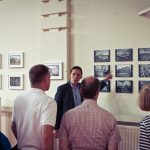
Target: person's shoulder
point(71, 111)
point(107, 114)
point(25, 92)
point(19, 96)
point(49, 101)
point(64, 86)
point(146, 119)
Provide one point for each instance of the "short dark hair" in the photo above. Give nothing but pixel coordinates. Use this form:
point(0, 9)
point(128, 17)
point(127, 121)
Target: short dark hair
point(89, 87)
point(76, 67)
point(37, 73)
point(144, 101)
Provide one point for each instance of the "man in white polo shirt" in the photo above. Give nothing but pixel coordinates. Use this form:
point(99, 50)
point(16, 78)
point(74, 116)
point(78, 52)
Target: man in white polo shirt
point(34, 113)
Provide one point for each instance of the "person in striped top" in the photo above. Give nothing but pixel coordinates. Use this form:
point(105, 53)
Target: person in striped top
point(144, 103)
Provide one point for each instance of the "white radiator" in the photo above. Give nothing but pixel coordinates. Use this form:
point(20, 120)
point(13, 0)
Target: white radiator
point(129, 136)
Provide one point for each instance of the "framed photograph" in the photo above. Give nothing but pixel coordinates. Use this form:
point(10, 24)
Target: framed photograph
point(124, 54)
point(144, 54)
point(123, 70)
point(101, 55)
point(144, 70)
point(0, 61)
point(15, 81)
point(15, 59)
point(0, 81)
point(107, 87)
point(143, 83)
point(101, 70)
point(124, 86)
point(55, 70)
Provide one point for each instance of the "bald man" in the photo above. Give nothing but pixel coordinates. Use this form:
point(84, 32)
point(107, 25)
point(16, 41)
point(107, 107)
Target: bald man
point(88, 126)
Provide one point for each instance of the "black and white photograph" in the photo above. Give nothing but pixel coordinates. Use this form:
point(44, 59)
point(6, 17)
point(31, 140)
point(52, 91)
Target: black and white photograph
point(55, 69)
point(15, 81)
point(101, 70)
point(101, 55)
point(15, 59)
point(124, 70)
point(107, 87)
point(124, 54)
point(144, 54)
point(143, 83)
point(144, 70)
point(124, 86)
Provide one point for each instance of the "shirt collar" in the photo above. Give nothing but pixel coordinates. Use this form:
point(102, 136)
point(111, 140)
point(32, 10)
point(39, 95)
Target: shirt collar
point(89, 101)
point(37, 90)
point(74, 86)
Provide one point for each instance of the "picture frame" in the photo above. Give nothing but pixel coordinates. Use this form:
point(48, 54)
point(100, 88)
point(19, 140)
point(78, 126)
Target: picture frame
point(124, 70)
point(55, 69)
point(124, 54)
point(15, 81)
point(144, 70)
point(101, 70)
point(107, 88)
point(143, 54)
point(124, 86)
point(101, 55)
point(15, 59)
point(143, 83)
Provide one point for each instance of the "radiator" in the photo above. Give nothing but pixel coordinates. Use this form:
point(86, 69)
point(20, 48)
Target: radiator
point(129, 136)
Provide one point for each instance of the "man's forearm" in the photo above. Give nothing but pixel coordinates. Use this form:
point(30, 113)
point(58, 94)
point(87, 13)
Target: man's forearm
point(47, 137)
point(48, 144)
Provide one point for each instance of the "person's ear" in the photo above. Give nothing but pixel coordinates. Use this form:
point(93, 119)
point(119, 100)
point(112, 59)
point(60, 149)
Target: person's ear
point(44, 80)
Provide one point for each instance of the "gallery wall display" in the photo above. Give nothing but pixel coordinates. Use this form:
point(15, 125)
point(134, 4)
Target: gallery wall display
point(107, 88)
point(124, 86)
point(144, 70)
point(143, 83)
point(55, 69)
point(124, 54)
point(101, 55)
point(15, 81)
point(15, 59)
point(101, 70)
point(123, 70)
point(144, 54)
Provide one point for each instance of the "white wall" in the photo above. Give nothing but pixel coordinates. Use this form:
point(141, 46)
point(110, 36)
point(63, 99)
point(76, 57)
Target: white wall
point(96, 24)
point(102, 25)
point(19, 31)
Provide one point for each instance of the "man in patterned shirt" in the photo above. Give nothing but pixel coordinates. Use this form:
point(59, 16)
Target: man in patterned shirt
point(88, 126)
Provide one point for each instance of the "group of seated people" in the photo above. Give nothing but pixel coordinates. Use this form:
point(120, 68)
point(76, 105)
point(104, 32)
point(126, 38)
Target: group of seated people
point(79, 123)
